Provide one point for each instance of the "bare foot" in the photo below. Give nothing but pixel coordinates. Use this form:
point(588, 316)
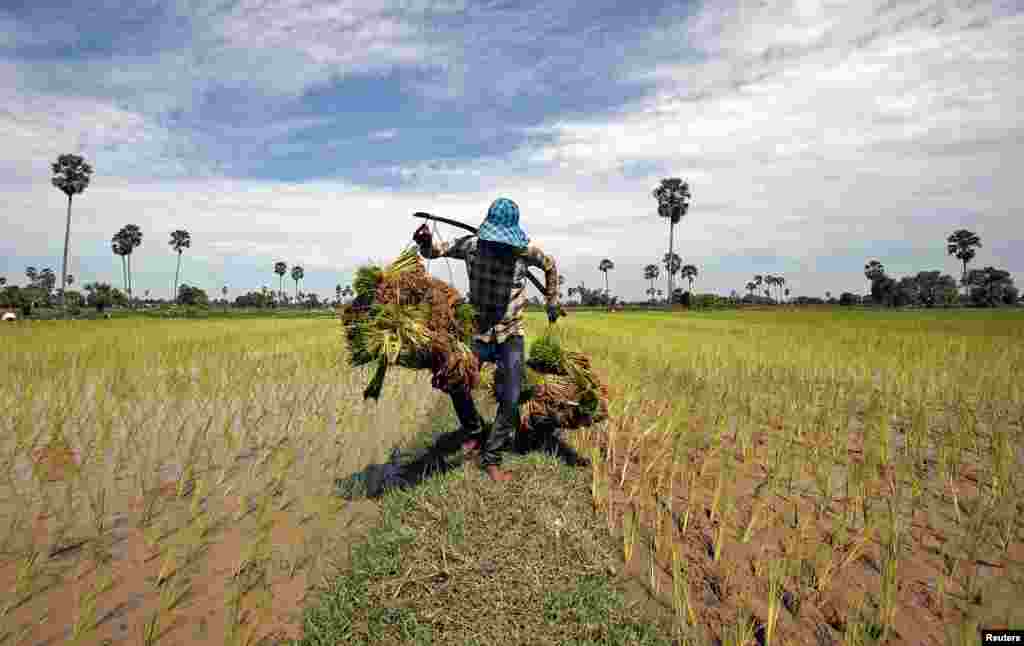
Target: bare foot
point(498, 475)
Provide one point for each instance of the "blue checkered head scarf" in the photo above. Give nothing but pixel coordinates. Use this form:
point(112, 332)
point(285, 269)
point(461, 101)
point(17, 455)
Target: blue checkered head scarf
point(502, 224)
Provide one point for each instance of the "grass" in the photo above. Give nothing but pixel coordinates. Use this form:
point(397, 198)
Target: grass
point(460, 560)
point(776, 474)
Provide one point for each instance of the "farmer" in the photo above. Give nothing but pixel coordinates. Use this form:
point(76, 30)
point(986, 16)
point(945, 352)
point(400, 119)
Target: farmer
point(496, 258)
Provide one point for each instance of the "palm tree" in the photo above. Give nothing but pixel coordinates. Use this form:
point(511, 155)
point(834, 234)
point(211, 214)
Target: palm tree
point(280, 268)
point(758, 281)
point(606, 266)
point(787, 294)
point(828, 296)
point(337, 292)
point(120, 248)
point(769, 281)
point(128, 238)
point(32, 274)
point(651, 273)
point(133, 237)
point(672, 264)
point(780, 282)
point(688, 273)
point(71, 176)
point(571, 291)
point(297, 274)
point(224, 293)
point(661, 294)
point(48, 280)
point(673, 195)
point(961, 244)
point(180, 240)
point(873, 271)
point(348, 292)
point(751, 286)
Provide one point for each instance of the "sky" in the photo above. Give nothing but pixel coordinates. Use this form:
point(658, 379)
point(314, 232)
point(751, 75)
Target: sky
point(814, 135)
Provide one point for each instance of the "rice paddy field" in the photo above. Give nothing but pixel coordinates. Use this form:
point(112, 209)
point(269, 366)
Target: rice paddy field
point(777, 476)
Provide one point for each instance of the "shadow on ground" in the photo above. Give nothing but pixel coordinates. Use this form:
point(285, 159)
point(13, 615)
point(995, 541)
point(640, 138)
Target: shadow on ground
point(432, 452)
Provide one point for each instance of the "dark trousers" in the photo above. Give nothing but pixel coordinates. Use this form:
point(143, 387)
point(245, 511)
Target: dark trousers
point(509, 358)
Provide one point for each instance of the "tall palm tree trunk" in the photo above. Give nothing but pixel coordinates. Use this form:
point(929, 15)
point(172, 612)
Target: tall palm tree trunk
point(963, 277)
point(129, 281)
point(671, 249)
point(606, 291)
point(177, 272)
point(124, 273)
point(64, 266)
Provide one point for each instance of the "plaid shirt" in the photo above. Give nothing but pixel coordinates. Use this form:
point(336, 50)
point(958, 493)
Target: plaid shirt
point(497, 283)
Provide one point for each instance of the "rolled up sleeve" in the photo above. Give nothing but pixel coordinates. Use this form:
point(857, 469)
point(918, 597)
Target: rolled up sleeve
point(535, 257)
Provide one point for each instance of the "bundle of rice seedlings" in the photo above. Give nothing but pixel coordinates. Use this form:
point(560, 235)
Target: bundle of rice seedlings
point(403, 316)
point(558, 387)
point(546, 355)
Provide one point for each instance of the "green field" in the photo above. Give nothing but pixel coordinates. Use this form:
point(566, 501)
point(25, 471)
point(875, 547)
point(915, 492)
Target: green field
point(788, 472)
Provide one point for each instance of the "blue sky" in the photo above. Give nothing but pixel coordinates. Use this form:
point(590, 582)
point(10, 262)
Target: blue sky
point(814, 135)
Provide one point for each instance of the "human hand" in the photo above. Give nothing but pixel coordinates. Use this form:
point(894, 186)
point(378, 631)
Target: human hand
point(422, 236)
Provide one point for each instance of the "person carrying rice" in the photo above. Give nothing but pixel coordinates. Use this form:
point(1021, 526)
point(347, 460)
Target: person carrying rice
point(497, 259)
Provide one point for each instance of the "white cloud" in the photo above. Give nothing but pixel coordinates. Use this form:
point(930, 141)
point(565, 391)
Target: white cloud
point(808, 131)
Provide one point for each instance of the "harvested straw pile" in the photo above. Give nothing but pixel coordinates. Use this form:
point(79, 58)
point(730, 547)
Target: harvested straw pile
point(402, 316)
point(559, 388)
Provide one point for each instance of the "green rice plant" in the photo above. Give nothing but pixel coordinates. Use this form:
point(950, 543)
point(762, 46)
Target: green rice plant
point(632, 447)
point(776, 578)
point(720, 537)
point(742, 630)
point(887, 595)
point(662, 524)
point(630, 531)
point(831, 568)
point(652, 565)
point(685, 615)
point(85, 612)
point(725, 473)
point(172, 593)
point(882, 432)
point(547, 355)
point(29, 570)
point(858, 632)
point(596, 472)
point(1001, 454)
point(690, 493)
point(366, 280)
point(964, 633)
point(755, 514)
